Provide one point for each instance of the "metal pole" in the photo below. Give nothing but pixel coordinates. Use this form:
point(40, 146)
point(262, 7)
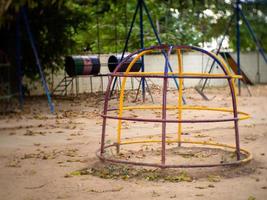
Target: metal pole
point(238, 42)
point(24, 14)
point(65, 83)
point(253, 35)
point(164, 105)
point(130, 30)
point(102, 84)
point(91, 84)
point(77, 85)
point(142, 46)
point(159, 41)
point(258, 68)
point(234, 104)
point(149, 91)
point(126, 44)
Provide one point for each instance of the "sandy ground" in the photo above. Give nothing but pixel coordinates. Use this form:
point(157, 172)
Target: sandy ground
point(39, 151)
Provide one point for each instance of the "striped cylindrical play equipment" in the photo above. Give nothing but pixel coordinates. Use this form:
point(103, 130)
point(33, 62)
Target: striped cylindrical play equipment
point(113, 61)
point(82, 65)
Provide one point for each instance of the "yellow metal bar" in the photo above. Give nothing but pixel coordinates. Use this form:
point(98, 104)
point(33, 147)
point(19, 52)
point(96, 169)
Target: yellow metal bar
point(180, 96)
point(184, 74)
point(235, 89)
point(122, 93)
point(208, 143)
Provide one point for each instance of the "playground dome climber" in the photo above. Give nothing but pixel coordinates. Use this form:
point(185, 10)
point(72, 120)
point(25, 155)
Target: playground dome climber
point(123, 140)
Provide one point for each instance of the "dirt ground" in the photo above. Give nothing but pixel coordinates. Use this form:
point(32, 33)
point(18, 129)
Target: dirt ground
point(39, 152)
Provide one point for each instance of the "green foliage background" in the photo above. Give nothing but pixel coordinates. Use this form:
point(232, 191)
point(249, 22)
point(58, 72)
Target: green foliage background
point(63, 27)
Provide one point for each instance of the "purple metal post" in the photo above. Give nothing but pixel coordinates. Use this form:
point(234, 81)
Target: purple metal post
point(236, 120)
point(104, 124)
point(164, 102)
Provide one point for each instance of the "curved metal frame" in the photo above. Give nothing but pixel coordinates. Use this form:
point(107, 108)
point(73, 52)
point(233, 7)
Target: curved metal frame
point(165, 75)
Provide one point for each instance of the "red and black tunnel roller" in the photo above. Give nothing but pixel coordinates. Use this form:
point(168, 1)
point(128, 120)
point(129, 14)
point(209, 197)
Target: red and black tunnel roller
point(82, 65)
